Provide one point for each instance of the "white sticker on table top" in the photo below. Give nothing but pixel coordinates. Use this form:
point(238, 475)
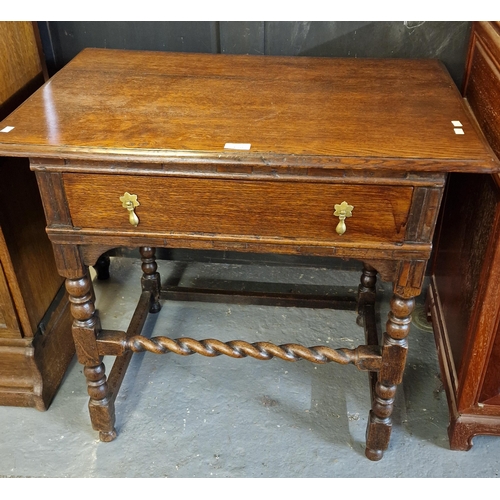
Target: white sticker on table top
point(237, 145)
point(456, 123)
point(459, 131)
point(7, 129)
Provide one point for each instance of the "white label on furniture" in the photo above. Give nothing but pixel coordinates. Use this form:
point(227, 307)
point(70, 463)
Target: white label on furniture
point(236, 145)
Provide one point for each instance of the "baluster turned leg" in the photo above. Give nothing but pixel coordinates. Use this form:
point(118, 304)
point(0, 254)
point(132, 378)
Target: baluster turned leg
point(394, 351)
point(366, 291)
point(85, 329)
point(151, 279)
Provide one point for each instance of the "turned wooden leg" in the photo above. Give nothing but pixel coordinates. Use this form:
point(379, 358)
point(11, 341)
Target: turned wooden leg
point(151, 279)
point(394, 351)
point(366, 291)
point(85, 330)
point(101, 407)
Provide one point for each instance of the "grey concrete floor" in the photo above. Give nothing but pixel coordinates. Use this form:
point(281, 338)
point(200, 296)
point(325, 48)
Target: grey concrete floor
point(185, 417)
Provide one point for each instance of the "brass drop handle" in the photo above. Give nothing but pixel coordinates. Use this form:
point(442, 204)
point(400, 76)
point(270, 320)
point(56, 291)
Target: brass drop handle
point(342, 211)
point(129, 201)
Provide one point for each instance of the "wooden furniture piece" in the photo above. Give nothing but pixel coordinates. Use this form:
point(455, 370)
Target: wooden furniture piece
point(464, 297)
point(35, 342)
point(291, 155)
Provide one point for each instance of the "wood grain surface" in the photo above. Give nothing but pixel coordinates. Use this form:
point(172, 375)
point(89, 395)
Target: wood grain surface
point(19, 57)
point(215, 206)
point(148, 105)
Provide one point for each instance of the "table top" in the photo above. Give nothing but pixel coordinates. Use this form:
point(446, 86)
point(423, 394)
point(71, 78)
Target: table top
point(158, 106)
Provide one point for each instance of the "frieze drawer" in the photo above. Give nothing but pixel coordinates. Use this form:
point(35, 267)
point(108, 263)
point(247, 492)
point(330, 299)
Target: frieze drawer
point(282, 209)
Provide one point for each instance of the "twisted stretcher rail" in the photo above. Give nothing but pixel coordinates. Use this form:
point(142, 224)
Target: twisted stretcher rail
point(259, 350)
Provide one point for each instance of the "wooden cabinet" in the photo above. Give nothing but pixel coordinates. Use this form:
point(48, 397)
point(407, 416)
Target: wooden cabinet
point(35, 325)
point(464, 296)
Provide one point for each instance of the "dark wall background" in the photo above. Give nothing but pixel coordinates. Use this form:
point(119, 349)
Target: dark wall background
point(446, 41)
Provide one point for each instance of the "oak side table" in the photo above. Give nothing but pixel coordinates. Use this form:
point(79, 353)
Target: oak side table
point(287, 155)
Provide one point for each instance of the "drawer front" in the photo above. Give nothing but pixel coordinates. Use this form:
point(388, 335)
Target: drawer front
point(288, 210)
